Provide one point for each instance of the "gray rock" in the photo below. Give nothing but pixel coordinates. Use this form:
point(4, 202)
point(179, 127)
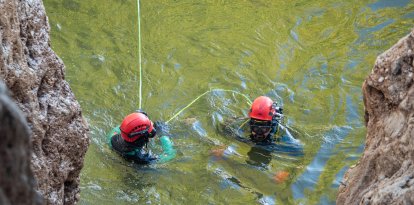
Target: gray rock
point(16, 178)
point(35, 77)
point(385, 172)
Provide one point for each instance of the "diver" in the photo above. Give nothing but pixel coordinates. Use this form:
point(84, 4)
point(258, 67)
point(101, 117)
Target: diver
point(264, 132)
point(265, 117)
point(130, 139)
point(265, 121)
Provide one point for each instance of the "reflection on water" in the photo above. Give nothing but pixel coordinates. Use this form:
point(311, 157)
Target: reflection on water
point(309, 178)
point(259, 157)
point(310, 56)
point(381, 4)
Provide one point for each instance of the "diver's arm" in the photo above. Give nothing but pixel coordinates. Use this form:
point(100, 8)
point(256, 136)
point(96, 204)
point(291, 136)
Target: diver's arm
point(111, 134)
point(169, 152)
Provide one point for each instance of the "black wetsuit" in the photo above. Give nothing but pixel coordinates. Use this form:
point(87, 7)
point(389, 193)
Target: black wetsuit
point(133, 151)
point(137, 151)
point(275, 142)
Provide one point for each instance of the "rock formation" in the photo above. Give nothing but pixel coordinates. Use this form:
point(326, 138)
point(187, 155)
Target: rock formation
point(16, 181)
point(385, 172)
point(35, 77)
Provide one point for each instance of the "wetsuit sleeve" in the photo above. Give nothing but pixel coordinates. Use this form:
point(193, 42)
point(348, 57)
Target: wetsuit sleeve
point(169, 152)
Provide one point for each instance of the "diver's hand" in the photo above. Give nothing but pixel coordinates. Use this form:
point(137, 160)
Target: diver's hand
point(162, 128)
point(145, 157)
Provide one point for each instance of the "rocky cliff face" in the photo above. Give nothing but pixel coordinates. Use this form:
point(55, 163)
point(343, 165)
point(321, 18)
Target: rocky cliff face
point(385, 173)
point(35, 77)
point(16, 181)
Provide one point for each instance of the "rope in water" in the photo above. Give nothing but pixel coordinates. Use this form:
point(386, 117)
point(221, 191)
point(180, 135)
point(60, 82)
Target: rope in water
point(139, 54)
point(211, 90)
point(192, 102)
point(140, 74)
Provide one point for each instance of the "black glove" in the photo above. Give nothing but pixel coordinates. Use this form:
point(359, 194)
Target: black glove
point(142, 157)
point(162, 128)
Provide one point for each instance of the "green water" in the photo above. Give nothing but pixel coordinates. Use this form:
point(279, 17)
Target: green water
point(311, 56)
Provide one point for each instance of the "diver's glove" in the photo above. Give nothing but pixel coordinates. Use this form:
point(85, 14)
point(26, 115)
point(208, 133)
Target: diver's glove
point(162, 128)
point(143, 157)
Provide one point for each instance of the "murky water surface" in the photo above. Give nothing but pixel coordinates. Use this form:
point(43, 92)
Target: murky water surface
point(310, 55)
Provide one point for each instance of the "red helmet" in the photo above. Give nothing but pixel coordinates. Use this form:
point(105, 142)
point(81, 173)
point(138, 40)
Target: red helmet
point(135, 125)
point(262, 109)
